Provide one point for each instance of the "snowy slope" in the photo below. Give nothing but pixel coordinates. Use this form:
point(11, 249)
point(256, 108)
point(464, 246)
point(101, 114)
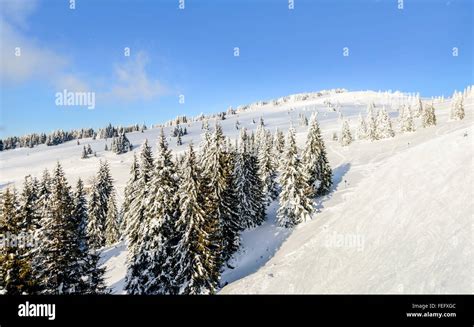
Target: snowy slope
point(401, 224)
point(16, 163)
point(114, 258)
point(401, 209)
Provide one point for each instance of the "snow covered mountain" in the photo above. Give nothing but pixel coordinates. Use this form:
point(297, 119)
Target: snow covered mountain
point(399, 218)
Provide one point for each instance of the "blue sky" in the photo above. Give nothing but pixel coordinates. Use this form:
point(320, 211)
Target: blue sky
point(191, 52)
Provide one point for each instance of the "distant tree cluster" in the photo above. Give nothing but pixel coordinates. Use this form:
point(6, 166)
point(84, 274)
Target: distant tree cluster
point(61, 136)
point(115, 131)
point(379, 126)
point(86, 151)
point(120, 144)
point(179, 120)
point(303, 120)
point(182, 120)
point(375, 126)
point(54, 138)
point(288, 99)
point(179, 131)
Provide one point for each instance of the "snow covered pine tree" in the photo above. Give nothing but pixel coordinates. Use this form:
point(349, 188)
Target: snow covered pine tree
point(384, 125)
point(16, 275)
point(154, 258)
point(136, 216)
point(428, 117)
point(295, 205)
point(346, 136)
point(55, 260)
point(316, 166)
point(193, 248)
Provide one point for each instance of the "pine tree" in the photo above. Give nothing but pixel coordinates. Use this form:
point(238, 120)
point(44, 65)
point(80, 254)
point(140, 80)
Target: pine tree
point(260, 138)
point(231, 224)
point(428, 117)
point(126, 145)
point(121, 144)
point(101, 191)
point(362, 131)
point(303, 120)
point(16, 276)
point(29, 217)
point(279, 142)
point(44, 193)
point(295, 205)
point(267, 168)
point(315, 163)
point(114, 145)
point(138, 205)
point(418, 111)
point(346, 136)
point(407, 123)
point(95, 274)
point(111, 229)
point(251, 207)
point(91, 275)
point(55, 259)
point(457, 107)
point(95, 224)
point(251, 144)
point(193, 248)
point(384, 125)
point(84, 153)
point(105, 185)
point(29, 210)
point(154, 259)
point(80, 224)
point(371, 123)
point(129, 193)
point(251, 161)
point(135, 218)
point(213, 186)
point(205, 142)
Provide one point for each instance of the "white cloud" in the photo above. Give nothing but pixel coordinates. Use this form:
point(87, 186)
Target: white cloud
point(71, 82)
point(34, 61)
point(133, 82)
point(17, 11)
point(41, 63)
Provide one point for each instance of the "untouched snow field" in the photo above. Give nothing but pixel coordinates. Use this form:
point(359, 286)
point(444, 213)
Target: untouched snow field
point(402, 225)
point(399, 218)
